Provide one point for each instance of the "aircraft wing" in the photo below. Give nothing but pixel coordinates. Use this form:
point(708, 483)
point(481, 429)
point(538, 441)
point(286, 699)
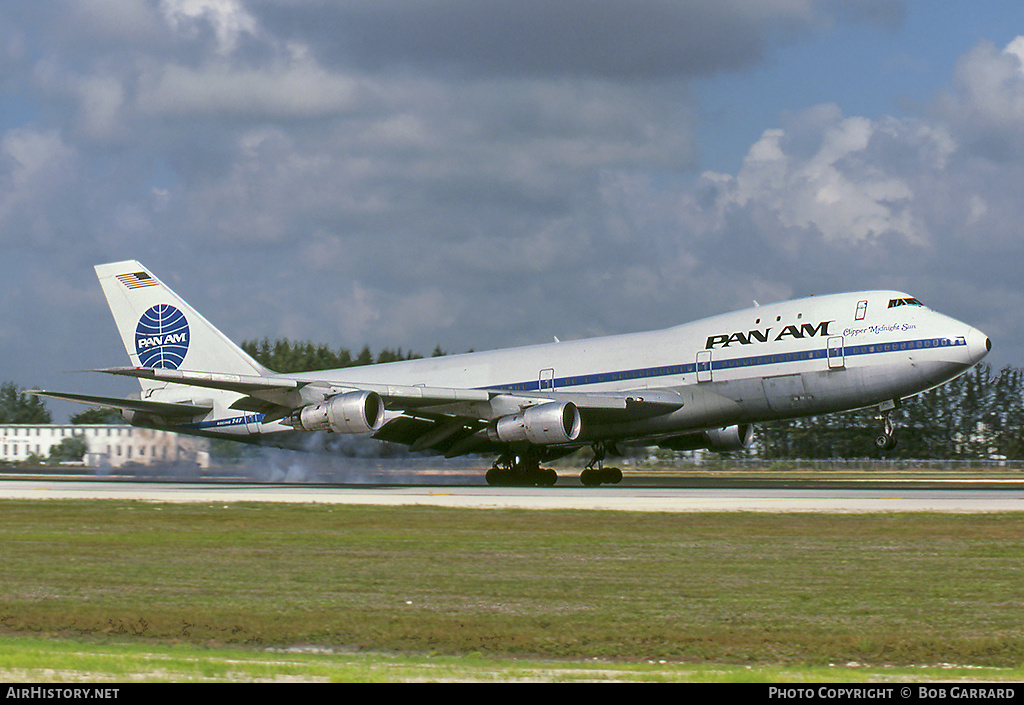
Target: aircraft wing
point(433, 417)
point(160, 408)
point(288, 391)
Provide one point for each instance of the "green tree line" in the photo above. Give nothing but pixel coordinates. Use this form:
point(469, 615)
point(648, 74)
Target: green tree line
point(285, 357)
point(18, 407)
point(978, 415)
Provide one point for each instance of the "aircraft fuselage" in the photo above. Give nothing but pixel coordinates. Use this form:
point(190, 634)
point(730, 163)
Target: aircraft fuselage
point(804, 357)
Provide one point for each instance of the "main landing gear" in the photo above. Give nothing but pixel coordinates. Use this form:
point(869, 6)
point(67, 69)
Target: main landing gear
point(523, 470)
point(596, 473)
point(887, 440)
point(512, 470)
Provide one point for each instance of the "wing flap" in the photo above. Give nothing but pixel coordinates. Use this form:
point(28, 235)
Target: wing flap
point(624, 406)
point(449, 435)
point(294, 392)
point(244, 384)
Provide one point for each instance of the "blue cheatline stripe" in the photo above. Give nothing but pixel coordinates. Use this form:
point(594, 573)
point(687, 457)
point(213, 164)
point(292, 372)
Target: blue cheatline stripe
point(726, 364)
point(668, 371)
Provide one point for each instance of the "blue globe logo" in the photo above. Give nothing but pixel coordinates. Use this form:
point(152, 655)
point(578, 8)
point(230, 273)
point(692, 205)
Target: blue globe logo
point(161, 338)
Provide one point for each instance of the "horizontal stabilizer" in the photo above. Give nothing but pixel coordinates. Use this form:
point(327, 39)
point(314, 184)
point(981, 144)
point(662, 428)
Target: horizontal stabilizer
point(160, 408)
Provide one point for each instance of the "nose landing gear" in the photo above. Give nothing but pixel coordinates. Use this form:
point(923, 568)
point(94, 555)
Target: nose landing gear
point(887, 440)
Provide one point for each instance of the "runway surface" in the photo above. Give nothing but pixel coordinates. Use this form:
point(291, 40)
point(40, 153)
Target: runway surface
point(845, 499)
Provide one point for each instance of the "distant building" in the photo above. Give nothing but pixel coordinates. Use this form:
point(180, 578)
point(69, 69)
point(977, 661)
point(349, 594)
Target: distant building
point(109, 445)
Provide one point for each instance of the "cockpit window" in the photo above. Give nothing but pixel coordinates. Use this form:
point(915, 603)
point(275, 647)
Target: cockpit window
point(893, 303)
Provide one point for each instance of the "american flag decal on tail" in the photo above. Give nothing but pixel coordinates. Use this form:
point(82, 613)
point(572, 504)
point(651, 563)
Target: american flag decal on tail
point(137, 280)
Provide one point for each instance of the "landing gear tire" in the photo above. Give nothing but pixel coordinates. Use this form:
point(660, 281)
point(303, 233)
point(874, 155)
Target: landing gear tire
point(596, 474)
point(594, 477)
point(520, 474)
point(885, 442)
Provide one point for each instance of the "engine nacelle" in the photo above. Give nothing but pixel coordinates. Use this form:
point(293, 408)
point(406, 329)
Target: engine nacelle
point(730, 438)
point(544, 424)
point(719, 440)
point(352, 412)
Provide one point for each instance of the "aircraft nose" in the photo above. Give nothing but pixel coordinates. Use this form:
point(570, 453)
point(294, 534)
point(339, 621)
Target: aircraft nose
point(978, 345)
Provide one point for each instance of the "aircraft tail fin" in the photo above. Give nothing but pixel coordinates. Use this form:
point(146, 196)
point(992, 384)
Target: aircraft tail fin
point(160, 330)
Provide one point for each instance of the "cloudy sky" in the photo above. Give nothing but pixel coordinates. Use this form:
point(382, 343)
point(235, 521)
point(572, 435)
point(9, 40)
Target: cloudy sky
point(482, 173)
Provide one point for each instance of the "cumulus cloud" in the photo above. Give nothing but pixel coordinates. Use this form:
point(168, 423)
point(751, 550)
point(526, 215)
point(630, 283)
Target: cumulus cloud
point(479, 174)
point(300, 89)
point(985, 102)
point(838, 191)
point(828, 201)
point(927, 202)
point(35, 167)
point(228, 19)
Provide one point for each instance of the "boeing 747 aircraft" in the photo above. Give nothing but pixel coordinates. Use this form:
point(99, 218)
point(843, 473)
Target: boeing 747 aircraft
point(698, 385)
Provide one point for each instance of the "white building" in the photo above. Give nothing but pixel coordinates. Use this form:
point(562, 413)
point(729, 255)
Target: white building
point(109, 445)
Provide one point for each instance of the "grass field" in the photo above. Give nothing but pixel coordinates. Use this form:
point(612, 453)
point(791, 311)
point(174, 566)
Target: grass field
point(783, 593)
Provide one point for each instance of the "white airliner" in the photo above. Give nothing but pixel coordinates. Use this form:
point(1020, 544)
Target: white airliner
point(698, 385)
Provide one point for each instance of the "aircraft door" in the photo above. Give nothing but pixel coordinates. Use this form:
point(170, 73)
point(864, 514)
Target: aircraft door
point(704, 366)
point(836, 353)
point(547, 379)
point(862, 311)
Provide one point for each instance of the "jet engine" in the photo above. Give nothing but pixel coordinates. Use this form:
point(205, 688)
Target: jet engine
point(352, 412)
point(719, 440)
point(544, 424)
